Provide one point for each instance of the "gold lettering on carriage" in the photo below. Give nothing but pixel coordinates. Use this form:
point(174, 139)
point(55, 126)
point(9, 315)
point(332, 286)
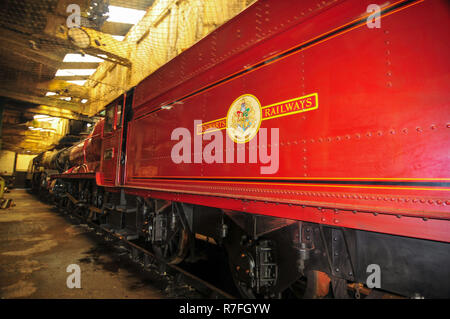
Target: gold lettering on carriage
point(245, 115)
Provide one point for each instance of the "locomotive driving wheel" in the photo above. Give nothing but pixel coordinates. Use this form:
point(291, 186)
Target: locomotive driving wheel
point(62, 204)
point(314, 285)
point(254, 268)
point(168, 233)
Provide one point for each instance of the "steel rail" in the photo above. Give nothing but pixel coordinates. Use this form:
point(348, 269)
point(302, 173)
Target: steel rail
point(219, 292)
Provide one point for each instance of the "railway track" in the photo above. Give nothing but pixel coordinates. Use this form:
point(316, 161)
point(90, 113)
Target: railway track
point(180, 282)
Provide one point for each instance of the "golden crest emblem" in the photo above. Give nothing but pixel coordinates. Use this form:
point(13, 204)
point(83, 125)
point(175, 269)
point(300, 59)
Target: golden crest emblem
point(244, 118)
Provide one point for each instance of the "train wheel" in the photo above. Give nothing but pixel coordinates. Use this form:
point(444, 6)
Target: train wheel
point(70, 207)
point(314, 285)
point(169, 236)
point(245, 291)
point(62, 204)
point(253, 266)
point(98, 197)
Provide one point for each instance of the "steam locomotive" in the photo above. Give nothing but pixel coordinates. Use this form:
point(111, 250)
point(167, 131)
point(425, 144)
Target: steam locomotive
point(310, 145)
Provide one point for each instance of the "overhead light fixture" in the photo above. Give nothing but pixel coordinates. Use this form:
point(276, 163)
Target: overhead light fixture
point(45, 118)
point(50, 94)
point(74, 72)
point(118, 37)
point(41, 117)
point(78, 82)
point(72, 57)
point(84, 101)
point(40, 129)
point(125, 15)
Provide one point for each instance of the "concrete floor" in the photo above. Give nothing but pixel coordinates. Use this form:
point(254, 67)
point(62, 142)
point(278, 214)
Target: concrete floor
point(37, 244)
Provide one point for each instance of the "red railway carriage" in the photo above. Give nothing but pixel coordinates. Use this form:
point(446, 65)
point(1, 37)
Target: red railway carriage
point(377, 139)
point(318, 135)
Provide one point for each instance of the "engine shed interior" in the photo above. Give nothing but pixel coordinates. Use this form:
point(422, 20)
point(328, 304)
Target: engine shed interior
point(221, 149)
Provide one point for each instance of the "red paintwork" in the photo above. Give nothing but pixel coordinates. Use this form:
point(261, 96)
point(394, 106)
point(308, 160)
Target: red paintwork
point(75, 175)
point(76, 155)
point(112, 141)
point(382, 117)
point(432, 229)
point(85, 156)
point(93, 146)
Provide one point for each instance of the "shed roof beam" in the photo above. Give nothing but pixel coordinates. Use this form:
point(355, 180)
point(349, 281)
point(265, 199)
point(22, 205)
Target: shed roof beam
point(15, 41)
point(72, 77)
point(50, 111)
point(116, 28)
point(65, 88)
point(43, 100)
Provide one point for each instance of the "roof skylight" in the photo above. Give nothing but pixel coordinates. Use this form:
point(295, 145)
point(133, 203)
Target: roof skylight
point(125, 15)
